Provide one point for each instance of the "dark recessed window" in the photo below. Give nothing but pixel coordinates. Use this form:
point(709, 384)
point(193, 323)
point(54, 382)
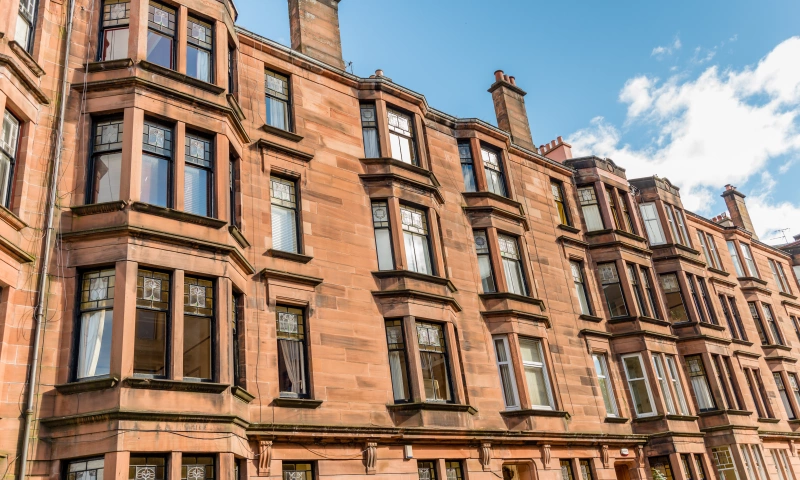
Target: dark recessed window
point(512, 265)
point(369, 131)
point(106, 162)
point(759, 323)
point(633, 276)
point(484, 261)
point(152, 314)
point(96, 323)
point(467, 167)
point(233, 192)
point(277, 91)
point(161, 35)
point(398, 366)
point(114, 29)
point(9, 142)
point(612, 289)
point(237, 332)
point(652, 299)
point(199, 49)
point(198, 327)
point(198, 179)
point(426, 470)
point(292, 378)
point(156, 164)
point(672, 291)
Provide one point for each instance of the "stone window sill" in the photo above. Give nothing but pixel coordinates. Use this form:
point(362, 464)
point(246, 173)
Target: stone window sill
point(26, 58)
point(569, 228)
point(12, 219)
point(180, 77)
point(416, 276)
point(590, 318)
point(683, 418)
point(237, 109)
point(777, 347)
point(177, 215)
point(242, 394)
point(105, 65)
point(279, 132)
point(174, 385)
point(742, 342)
point(98, 208)
point(91, 385)
point(651, 418)
point(718, 271)
point(769, 420)
point(616, 420)
point(303, 155)
point(788, 295)
point(533, 412)
point(291, 277)
point(780, 358)
point(513, 296)
point(753, 279)
point(238, 236)
point(438, 406)
point(296, 402)
point(632, 236)
point(295, 257)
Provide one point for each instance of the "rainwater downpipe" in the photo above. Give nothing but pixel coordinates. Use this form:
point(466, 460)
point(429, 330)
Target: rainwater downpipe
point(44, 264)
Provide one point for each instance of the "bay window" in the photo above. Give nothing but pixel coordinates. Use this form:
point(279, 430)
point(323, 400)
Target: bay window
point(416, 240)
point(558, 197)
point(762, 332)
point(284, 215)
point(401, 137)
point(398, 366)
point(152, 315)
point(106, 161)
point(292, 365)
point(539, 391)
point(795, 386)
point(772, 322)
point(633, 277)
point(26, 24)
point(512, 265)
point(493, 166)
point(652, 299)
point(161, 35)
point(95, 324)
point(198, 328)
point(652, 224)
point(612, 206)
point(699, 382)
point(114, 31)
point(580, 287)
point(434, 362)
point(383, 235)
point(199, 49)
point(663, 383)
point(590, 208)
point(787, 404)
point(276, 87)
point(369, 131)
point(156, 164)
point(612, 290)
point(605, 383)
point(676, 310)
point(638, 385)
point(752, 271)
point(85, 469)
point(9, 142)
point(197, 467)
point(724, 463)
point(484, 261)
point(630, 225)
point(142, 467)
point(505, 369)
point(737, 263)
point(198, 186)
point(660, 467)
point(467, 167)
point(693, 293)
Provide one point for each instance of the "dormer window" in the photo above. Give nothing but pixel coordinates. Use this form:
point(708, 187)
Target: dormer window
point(590, 208)
point(401, 137)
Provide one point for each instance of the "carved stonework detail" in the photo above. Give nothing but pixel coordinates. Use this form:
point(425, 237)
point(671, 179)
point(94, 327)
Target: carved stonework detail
point(640, 456)
point(791, 447)
point(546, 456)
point(371, 457)
point(604, 455)
point(486, 456)
point(264, 457)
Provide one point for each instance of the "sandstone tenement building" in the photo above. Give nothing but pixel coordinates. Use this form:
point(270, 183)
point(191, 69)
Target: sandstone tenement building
point(227, 259)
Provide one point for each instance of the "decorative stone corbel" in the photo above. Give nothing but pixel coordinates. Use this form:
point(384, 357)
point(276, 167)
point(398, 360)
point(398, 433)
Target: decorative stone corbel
point(604, 455)
point(264, 457)
point(791, 447)
point(370, 457)
point(486, 456)
point(546, 456)
point(640, 456)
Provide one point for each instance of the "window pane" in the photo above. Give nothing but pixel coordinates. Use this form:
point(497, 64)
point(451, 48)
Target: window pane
point(159, 49)
point(401, 136)
point(198, 295)
point(146, 468)
point(276, 114)
point(660, 468)
point(494, 171)
point(284, 229)
point(652, 223)
point(467, 167)
point(196, 187)
point(661, 376)
point(198, 63)
point(397, 359)
point(433, 362)
point(484, 262)
point(291, 352)
point(150, 349)
point(637, 383)
point(672, 292)
point(96, 323)
point(699, 381)
point(535, 373)
point(580, 287)
point(735, 257)
point(115, 44)
point(672, 370)
point(724, 463)
point(107, 170)
point(155, 180)
point(512, 267)
point(504, 367)
point(606, 389)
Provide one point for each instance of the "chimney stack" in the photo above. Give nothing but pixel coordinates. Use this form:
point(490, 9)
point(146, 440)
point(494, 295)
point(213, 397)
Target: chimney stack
point(314, 26)
point(739, 215)
point(509, 106)
point(557, 150)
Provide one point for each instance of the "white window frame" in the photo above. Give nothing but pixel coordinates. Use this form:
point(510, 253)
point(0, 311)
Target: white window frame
point(652, 224)
point(638, 356)
point(540, 365)
point(604, 375)
point(737, 262)
point(749, 261)
point(661, 377)
point(712, 247)
point(510, 364)
point(672, 371)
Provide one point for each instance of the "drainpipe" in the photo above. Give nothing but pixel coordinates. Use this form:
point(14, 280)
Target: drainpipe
point(44, 264)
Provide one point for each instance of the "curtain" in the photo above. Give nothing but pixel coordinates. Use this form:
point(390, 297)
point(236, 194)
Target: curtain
point(292, 352)
point(90, 342)
point(203, 68)
point(700, 388)
point(591, 213)
point(276, 111)
point(371, 149)
point(398, 380)
point(514, 279)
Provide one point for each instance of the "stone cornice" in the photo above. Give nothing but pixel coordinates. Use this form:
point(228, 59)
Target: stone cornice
point(116, 415)
point(29, 84)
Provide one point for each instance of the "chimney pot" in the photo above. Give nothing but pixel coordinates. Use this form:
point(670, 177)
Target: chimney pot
point(513, 81)
point(379, 73)
point(560, 140)
point(498, 75)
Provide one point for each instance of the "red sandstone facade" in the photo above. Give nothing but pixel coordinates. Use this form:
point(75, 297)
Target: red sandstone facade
point(267, 267)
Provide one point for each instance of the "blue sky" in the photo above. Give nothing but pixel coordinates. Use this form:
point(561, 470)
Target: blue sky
point(704, 93)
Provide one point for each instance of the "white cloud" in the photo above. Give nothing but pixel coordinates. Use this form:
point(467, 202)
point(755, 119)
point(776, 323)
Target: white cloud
point(662, 51)
point(720, 127)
